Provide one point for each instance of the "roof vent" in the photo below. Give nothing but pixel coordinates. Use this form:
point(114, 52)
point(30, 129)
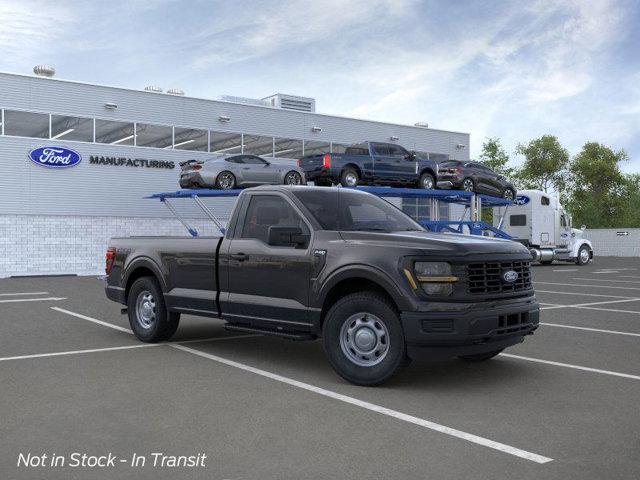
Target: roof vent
point(44, 71)
point(175, 91)
point(153, 88)
point(422, 124)
point(292, 102)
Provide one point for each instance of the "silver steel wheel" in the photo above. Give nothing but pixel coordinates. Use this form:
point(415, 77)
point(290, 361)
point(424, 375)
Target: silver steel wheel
point(467, 185)
point(293, 178)
point(146, 309)
point(508, 194)
point(427, 182)
point(364, 339)
point(226, 180)
point(351, 179)
point(584, 255)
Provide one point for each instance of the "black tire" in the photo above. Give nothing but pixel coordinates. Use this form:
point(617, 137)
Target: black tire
point(468, 185)
point(583, 259)
point(349, 177)
point(293, 178)
point(480, 357)
point(377, 309)
point(427, 178)
point(509, 194)
point(163, 325)
point(222, 183)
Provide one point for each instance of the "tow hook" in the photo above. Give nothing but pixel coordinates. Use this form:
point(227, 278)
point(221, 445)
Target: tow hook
point(123, 311)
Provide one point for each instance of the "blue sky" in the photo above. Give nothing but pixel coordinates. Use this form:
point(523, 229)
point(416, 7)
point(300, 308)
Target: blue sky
point(515, 70)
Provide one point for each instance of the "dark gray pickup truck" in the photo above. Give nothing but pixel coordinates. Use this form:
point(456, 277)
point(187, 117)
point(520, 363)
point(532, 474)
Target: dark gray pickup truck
point(336, 263)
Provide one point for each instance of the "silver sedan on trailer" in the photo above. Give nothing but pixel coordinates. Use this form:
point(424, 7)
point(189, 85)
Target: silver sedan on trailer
point(239, 170)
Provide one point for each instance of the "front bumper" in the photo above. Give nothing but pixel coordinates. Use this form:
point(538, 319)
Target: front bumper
point(444, 330)
point(117, 294)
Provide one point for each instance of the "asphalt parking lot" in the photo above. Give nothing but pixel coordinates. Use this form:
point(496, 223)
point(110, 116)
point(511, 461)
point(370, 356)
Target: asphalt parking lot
point(563, 405)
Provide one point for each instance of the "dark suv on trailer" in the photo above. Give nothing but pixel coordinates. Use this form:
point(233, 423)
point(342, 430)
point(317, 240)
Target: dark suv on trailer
point(474, 177)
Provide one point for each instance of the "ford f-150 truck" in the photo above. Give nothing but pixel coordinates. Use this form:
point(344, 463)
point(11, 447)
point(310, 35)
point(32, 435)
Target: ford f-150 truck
point(371, 163)
point(336, 263)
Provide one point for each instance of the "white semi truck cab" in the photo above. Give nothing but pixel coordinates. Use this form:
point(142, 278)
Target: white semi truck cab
point(538, 221)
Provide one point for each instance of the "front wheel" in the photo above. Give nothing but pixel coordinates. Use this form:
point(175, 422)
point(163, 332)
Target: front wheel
point(584, 255)
point(148, 315)
point(480, 357)
point(427, 181)
point(508, 194)
point(468, 185)
point(293, 178)
point(363, 339)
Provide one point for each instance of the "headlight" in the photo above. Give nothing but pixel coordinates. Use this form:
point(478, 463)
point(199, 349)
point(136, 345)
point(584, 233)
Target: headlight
point(435, 277)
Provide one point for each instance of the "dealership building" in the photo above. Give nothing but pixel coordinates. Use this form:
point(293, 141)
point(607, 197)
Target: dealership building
point(129, 144)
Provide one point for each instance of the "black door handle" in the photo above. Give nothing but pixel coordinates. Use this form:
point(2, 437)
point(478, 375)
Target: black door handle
point(241, 257)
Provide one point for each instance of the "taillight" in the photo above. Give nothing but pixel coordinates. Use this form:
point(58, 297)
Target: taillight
point(196, 167)
point(109, 259)
point(326, 161)
point(299, 162)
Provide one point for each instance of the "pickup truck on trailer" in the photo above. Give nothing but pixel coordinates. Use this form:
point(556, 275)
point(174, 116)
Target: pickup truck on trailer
point(341, 264)
point(371, 163)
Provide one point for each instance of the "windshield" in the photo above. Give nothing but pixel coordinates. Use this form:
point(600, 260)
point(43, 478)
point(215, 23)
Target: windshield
point(350, 210)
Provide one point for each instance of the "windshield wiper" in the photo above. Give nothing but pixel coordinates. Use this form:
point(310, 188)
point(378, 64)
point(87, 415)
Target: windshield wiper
point(369, 229)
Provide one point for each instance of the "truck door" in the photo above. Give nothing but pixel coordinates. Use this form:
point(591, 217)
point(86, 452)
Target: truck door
point(382, 161)
point(564, 230)
point(402, 165)
point(267, 285)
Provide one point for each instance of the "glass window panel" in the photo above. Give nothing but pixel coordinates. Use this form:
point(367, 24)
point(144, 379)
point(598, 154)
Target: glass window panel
point(190, 139)
point(224, 142)
point(288, 148)
point(312, 147)
point(258, 145)
point(26, 124)
point(338, 147)
point(157, 136)
point(115, 133)
point(72, 128)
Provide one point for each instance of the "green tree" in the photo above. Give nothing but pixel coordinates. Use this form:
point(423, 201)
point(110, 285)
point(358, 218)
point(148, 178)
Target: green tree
point(545, 165)
point(495, 157)
point(631, 199)
point(599, 192)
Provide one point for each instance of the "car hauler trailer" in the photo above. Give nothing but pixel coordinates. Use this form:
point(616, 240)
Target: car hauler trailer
point(538, 221)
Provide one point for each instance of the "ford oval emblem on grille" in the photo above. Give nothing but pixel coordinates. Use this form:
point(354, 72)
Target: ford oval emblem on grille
point(510, 276)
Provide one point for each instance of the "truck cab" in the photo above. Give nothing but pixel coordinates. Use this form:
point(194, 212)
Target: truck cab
point(540, 222)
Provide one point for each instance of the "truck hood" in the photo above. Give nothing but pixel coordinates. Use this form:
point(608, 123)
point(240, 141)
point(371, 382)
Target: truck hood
point(436, 243)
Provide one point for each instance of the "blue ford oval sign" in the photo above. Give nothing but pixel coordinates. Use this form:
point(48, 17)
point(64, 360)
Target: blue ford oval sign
point(510, 276)
point(55, 157)
point(521, 200)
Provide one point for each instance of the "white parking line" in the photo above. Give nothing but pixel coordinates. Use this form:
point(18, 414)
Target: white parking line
point(94, 320)
point(374, 408)
point(23, 293)
point(47, 299)
point(76, 352)
point(569, 365)
point(590, 329)
point(590, 286)
point(610, 310)
point(583, 294)
point(566, 270)
point(605, 280)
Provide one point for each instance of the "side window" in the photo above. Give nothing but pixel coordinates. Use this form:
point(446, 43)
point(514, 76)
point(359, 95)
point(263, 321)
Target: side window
point(544, 200)
point(396, 151)
point(265, 211)
point(517, 220)
point(381, 149)
point(253, 160)
point(563, 221)
point(235, 160)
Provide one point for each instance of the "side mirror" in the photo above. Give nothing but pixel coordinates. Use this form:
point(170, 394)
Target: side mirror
point(583, 227)
point(410, 156)
point(267, 163)
point(287, 237)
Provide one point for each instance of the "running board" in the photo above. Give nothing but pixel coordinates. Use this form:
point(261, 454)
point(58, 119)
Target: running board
point(267, 331)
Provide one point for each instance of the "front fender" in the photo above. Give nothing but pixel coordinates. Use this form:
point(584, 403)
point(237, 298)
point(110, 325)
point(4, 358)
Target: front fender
point(579, 243)
point(367, 272)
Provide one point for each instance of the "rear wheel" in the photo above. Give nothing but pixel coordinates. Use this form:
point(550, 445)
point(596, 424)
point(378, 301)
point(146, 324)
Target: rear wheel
point(480, 357)
point(363, 338)
point(148, 314)
point(508, 194)
point(225, 180)
point(293, 178)
point(584, 255)
point(468, 185)
point(349, 178)
point(427, 181)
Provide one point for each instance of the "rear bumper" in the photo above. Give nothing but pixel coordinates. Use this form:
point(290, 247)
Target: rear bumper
point(117, 294)
point(448, 330)
point(191, 180)
point(321, 173)
point(449, 184)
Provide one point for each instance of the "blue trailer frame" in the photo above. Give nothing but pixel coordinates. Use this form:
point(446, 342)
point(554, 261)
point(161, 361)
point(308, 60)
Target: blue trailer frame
point(469, 200)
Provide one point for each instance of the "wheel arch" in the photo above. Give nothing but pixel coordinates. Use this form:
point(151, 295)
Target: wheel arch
point(143, 267)
point(355, 167)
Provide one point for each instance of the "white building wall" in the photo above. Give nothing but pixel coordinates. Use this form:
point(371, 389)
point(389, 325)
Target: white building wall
point(612, 242)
